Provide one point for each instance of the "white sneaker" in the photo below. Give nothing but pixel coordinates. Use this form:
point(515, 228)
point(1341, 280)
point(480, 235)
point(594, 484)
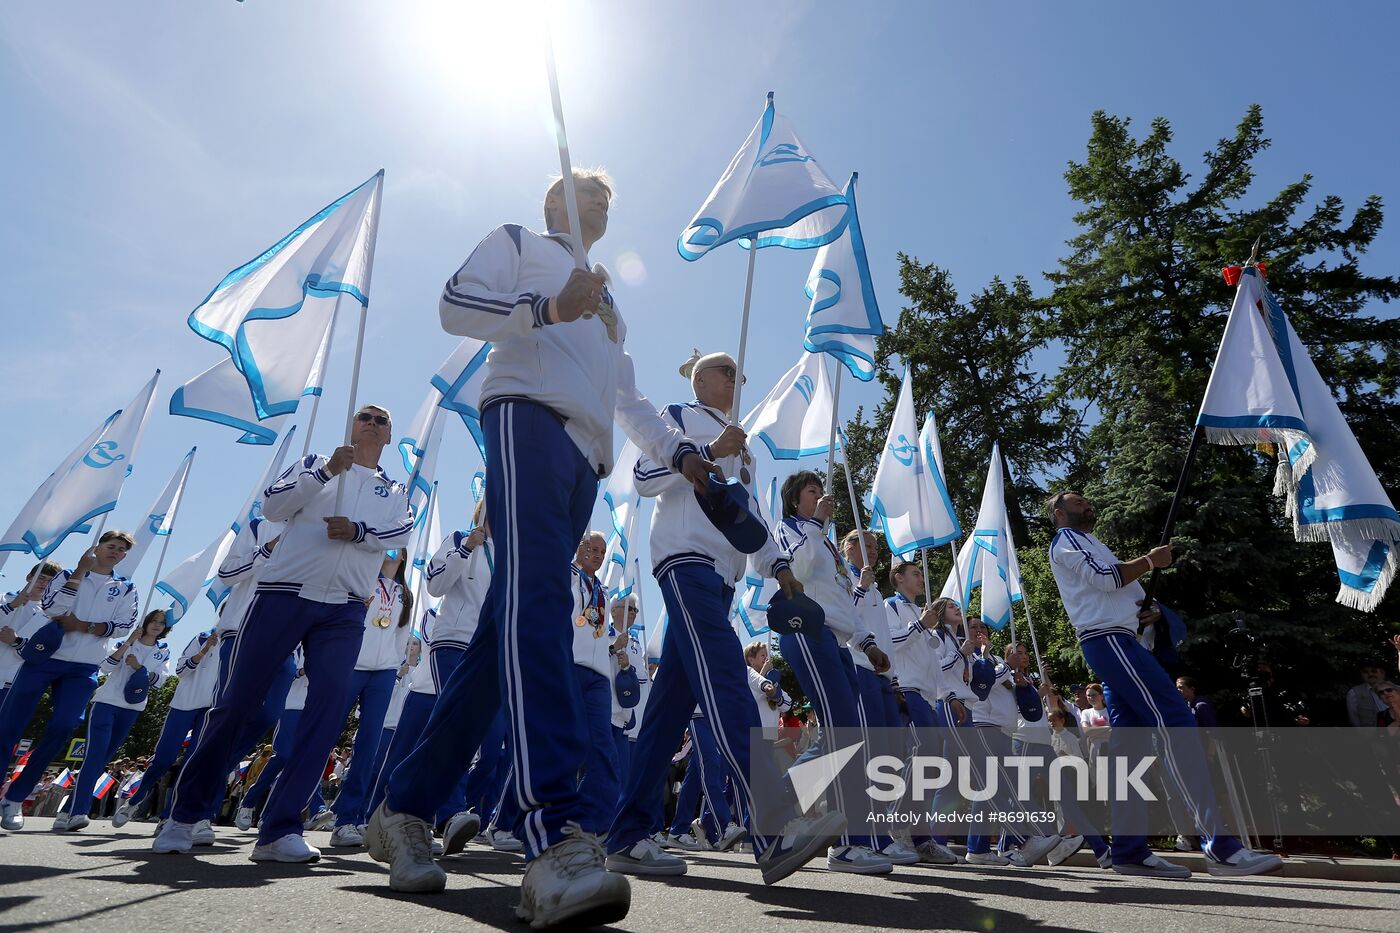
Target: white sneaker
point(935, 853)
point(1245, 862)
point(323, 820)
point(1067, 847)
point(459, 831)
point(568, 883)
point(685, 841)
point(11, 815)
point(1106, 860)
point(988, 858)
point(803, 838)
point(123, 815)
point(661, 839)
point(1154, 866)
point(244, 818)
point(697, 829)
point(505, 841)
point(202, 834)
point(858, 860)
point(898, 854)
point(1034, 850)
point(732, 834)
point(60, 821)
point(76, 823)
point(437, 849)
point(645, 858)
point(173, 836)
point(406, 843)
point(347, 835)
point(1183, 844)
point(292, 847)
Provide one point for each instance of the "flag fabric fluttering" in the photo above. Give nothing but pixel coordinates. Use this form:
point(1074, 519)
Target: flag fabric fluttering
point(429, 537)
point(1264, 388)
point(159, 522)
point(94, 482)
point(749, 617)
point(419, 449)
point(987, 559)
point(14, 537)
point(773, 192)
point(844, 318)
point(794, 419)
point(264, 313)
point(459, 380)
point(104, 784)
point(908, 498)
point(220, 393)
point(625, 505)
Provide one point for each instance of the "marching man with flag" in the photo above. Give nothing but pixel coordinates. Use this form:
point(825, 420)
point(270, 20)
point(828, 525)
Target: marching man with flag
point(702, 661)
point(557, 377)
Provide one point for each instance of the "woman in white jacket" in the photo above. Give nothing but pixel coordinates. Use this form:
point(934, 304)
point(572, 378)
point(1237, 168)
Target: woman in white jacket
point(388, 625)
point(820, 660)
point(141, 657)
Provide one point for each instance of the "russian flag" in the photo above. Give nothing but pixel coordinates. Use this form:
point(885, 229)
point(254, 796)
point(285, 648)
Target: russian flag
point(64, 779)
point(132, 786)
point(19, 768)
point(104, 784)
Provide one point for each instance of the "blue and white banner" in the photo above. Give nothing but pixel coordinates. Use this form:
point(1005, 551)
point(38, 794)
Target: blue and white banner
point(184, 583)
point(265, 313)
point(419, 449)
point(220, 393)
point(844, 318)
point(459, 379)
point(625, 505)
point(987, 561)
point(794, 419)
point(250, 510)
point(773, 191)
point(94, 483)
point(749, 617)
point(1265, 388)
point(909, 499)
point(429, 537)
point(14, 536)
point(159, 522)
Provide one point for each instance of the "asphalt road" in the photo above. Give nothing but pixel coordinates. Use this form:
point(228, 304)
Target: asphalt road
point(110, 879)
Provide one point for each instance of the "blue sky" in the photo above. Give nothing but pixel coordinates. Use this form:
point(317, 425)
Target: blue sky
point(149, 149)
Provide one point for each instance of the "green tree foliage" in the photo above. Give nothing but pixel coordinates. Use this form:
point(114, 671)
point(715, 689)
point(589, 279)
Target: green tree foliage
point(144, 734)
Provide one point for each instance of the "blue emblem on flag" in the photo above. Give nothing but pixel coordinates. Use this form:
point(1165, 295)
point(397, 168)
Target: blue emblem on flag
point(103, 455)
point(902, 450)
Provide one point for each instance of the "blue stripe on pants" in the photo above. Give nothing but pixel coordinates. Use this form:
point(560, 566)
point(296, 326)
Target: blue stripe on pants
point(373, 689)
point(701, 661)
point(540, 493)
point(828, 676)
point(178, 724)
point(70, 686)
point(108, 727)
point(329, 634)
point(598, 789)
point(1140, 695)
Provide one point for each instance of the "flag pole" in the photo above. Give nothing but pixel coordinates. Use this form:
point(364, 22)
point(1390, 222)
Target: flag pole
point(325, 367)
point(566, 170)
point(1035, 645)
point(831, 439)
point(160, 561)
point(350, 413)
point(928, 593)
point(743, 333)
point(855, 507)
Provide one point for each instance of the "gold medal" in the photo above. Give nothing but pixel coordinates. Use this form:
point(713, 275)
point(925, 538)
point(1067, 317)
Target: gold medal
point(581, 621)
point(598, 632)
point(381, 620)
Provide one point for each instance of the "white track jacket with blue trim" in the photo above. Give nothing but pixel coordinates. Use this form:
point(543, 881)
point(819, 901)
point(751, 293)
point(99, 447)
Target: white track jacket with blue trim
point(578, 369)
point(308, 564)
point(110, 601)
point(1095, 597)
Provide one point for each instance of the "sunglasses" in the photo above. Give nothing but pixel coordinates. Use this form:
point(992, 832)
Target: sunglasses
point(1386, 690)
point(365, 417)
point(729, 372)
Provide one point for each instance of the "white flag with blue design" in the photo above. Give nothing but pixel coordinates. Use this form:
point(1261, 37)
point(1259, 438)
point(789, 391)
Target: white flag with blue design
point(987, 560)
point(159, 522)
point(184, 583)
point(794, 419)
point(749, 617)
point(908, 498)
point(271, 313)
point(625, 505)
point(844, 318)
point(419, 449)
point(1265, 389)
point(429, 537)
point(220, 393)
point(773, 190)
point(14, 536)
point(95, 481)
point(459, 382)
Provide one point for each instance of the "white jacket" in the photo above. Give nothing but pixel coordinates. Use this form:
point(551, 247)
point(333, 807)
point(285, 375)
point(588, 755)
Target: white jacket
point(398, 698)
point(109, 601)
point(680, 532)
point(296, 693)
point(957, 668)
point(421, 677)
point(824, 578)
point(999, 709)
point(241, 569)
point(637, 658)
point(768, 716)
point(25, 620)
point(460, 576)
point(591, 642)
point(576, 369)
point(198, 679)
point(870, 608)
point(919, 651)
point(152, 658)
point(308, 564)
point(384, 643)
point(1096, 599)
